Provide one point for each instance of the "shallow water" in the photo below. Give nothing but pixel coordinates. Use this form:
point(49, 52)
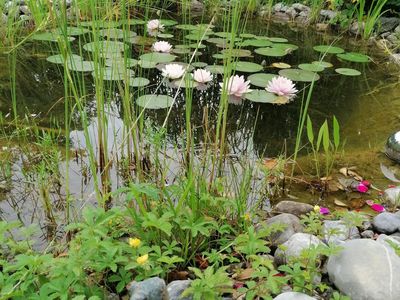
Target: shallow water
point(366, 107)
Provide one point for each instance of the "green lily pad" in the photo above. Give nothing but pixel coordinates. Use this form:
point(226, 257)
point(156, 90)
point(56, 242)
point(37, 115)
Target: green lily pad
point(311, 67)
point(219, 56)
point(324, 64)
point(286, 47)
point(261, 96)
point(199, 64)
point(275, 52)
point(195, 37)
point(80, 66)
point(105, 47)
point(186, 27)
point(236, 52)
point(50, 37)
point(181, 51)
point(100, 24)
point(158, 57)
point(348, 72)
point(142, 40)
point(146, 64)
point(72, 31)
point(277, 40)
point(168, 22)
point(215, 69)
point(247, 35)
point(115, 73)
point(134, 22)
point(216, 40)
point(261, 79)
point(59, 59)
point(138, 82)
point(121, 62)
point(248, 67)
point(165, 35)
point(154, 101)
point(299, 75)
point(115, 33)
point(354, 57)
point(328, 49)
point(255, 43)
point(186, 83)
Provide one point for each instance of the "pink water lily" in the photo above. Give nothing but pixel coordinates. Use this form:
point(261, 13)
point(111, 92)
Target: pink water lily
point(236, 86)
point(282, 86)
point(202, 76)
point(375, 206)
point(154, 26)
point(173, 71)
point(162, 46)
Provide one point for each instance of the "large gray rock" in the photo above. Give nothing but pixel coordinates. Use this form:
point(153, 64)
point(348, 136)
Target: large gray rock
point(392, 195)
point(366, 270)
point(176, 288)
point(386, 222)
point(328, 14)
point(292, 224)
point(388, 241)
point(387, 24)
point(150, 289)
point(337, 232)
point(301, 7)
point(293, 207)
point(295, 246)
point(293, 296)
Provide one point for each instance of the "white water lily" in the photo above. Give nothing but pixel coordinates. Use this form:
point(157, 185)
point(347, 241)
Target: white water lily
point(202, 76)
point(237, 86)
point(162, 46)
point(154, 26)
point(282, 86)
point(173, 71)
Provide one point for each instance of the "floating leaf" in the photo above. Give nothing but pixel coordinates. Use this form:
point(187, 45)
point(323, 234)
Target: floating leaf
point(236, 52)
point(278, 40)
point(181, 51)
point(269, 51)
point(168, 22)
point(146, 64)
point(115, 33)
point(138, 82)
point(261, 79)
point(354, 57)
point(286, 47)
point(59, 59)
point(154, 101)
point(215, 69)
point(114, 73)
point(185, 83)
point(216, 40)
point(105, 47)
point(195, 37)
point(50, 37)
point(328, 49)
point(186, 27)
point(80, 66)
point(121, 62)
point(311, 67)
point(199, 64)
point(248, 67)
point(255, 43)
point(261, 96)
point(348, 72)
point(247, 35)
point(142, 40)
point(165, 35)
point(157, 57)
point(72, 31)
point(299, 75)
point(281, 65)
point(134, 22)
point(324, 64)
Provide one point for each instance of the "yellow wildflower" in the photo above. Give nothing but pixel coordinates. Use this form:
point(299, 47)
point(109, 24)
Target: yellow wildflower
point(141, 260)
point(317, 208)
point(247, 217)
point(134, 242)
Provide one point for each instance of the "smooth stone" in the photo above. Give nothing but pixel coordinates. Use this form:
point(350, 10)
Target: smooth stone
point(366, 269)
point(150, 289)
point(392, 195)
point(293, 207)
point(327, 13)
point(367, 234)
point(386, 222)
point(293, 296)
point(293, 226)
point(388, 241)
point(387, 24)
point(337, 232)
point(176, 288)
point(294, 247)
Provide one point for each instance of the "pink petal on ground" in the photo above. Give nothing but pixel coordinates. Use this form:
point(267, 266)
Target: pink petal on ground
point(366, 183)
point(377, 207)
point(324, 211)
point(369, 202)
point(362, 188)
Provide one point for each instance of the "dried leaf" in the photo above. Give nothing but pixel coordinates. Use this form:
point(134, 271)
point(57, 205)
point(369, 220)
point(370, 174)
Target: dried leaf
point(270, 163)
point(388, 173)
point(340, 203)
point(349, 172)
point(244, 274)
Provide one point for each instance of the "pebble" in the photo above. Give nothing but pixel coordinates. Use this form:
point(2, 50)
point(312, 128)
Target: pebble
point(386, 222)
point(293, 207)
point(149, 289)
point(292, 224)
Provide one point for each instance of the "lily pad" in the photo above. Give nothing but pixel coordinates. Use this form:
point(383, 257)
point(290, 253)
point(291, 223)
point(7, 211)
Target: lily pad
point(354, 57)
point(186, 27)
point(165, 35)
point(186, 83)
point(328, 49)
point(154, 101)
point(324, 64)
point(50, 37)
point(114, 73)
point(59, 59)
point(168, 22)
point(269, 51)
point(248, 67)
point(261, 79)
point(142, 40)
point(105, 47)
point(146, 64)
point(247, 35)
point(115, 33)
point(277, 40)
point(157, 57)
point(281, 65)
point(121, 62)
point(215, 69)
point(261, 96)
point(286, 47)
point(80, 66)
point(134, 22)
point(72, 31)
point(138, 82)
point(236, 52)
point(299, 75)
point(256, 43)
point(311, 67)
point(348, 72)
point(181, 51)
point(195, 37)
point(199, 64)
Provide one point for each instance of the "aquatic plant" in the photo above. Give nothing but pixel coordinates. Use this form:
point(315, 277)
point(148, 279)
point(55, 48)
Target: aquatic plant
point(282, 86)
point(162, 46)
point(202, 76)
point(173, 71)
point(367, 20)
point(236, 86)
point(154, 27)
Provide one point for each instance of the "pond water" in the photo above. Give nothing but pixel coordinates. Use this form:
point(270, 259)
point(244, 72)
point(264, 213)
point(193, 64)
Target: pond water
point(366, 107)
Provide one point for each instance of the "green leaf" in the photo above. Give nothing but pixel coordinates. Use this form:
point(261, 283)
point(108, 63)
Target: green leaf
point(336, 133)
point(310, 131)
point(325, 139)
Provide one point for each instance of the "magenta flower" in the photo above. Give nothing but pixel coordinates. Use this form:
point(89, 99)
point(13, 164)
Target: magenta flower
point(282, 86)
point(375, 206)
point(366, 183)
point(324, 210)
point(362, 188)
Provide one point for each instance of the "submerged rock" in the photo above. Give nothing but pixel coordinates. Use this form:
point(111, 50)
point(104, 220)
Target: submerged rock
point(293, 296)
point(176, 288)
point(294, 247)
point(337, 232)
point(292, 224)
point(150, 289)
point(293, 207)
point(386, 222)
point(366, 269)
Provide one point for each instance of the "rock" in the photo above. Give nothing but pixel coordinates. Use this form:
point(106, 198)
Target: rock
point(366, 269)
point(386, 222)
point(366, 225)
point(387, 24)
point(395, 58)
point(397, 30)
point(337, 232)
point(367, 234)
point(322, 26)
point(294, 247)
point(25, 10)
point(293, 226)
point(301, 7)
point(196, 6)
point(328, 14)
point(176, 288)
point(393, 39)
point(392, 195)
point(291, 12)
point(294, 208)
point(150, 289)
point(355, 28)
point(293, 296)
point(280, 7)
point(388, 241)
point(304, 14)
